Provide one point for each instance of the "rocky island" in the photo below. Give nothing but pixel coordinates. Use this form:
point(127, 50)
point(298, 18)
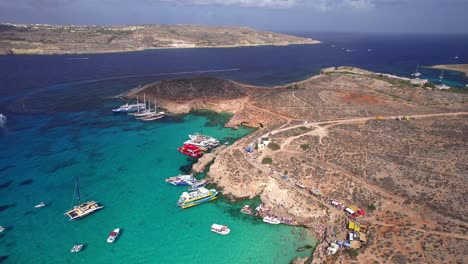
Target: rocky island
point(453, 67)
point(347, 138)
point(69, 39)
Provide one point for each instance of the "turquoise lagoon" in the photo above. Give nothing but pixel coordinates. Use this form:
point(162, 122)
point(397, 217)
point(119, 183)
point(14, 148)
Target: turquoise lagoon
point(122, 163)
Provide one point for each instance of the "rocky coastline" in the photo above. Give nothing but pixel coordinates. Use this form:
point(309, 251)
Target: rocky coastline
point(38, 39)
point(340, 134)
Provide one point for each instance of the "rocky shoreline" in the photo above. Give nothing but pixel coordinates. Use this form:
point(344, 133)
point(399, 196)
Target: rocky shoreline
point(338, 134)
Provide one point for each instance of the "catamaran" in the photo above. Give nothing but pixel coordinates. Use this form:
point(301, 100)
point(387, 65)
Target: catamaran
point(82, 209)
point(200, 196)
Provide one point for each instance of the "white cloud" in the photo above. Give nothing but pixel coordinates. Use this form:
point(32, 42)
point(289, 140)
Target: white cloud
point(322, 5)
point(243, 3)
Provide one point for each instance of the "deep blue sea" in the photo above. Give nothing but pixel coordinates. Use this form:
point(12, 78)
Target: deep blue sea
point(59, 126)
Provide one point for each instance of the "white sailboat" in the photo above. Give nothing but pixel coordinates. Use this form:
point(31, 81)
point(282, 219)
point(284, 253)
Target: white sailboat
point(82, 209)
point(416, 73)
point(154, 115)
point(441, 76)
point(145, 112)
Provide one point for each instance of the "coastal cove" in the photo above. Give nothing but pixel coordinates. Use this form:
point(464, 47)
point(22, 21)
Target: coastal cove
point(60, 125)
point(122, 163)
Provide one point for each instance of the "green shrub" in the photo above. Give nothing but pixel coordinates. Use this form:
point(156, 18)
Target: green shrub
point(273, 146)
point(267, 161)
point(352, 252)
point(305, 146)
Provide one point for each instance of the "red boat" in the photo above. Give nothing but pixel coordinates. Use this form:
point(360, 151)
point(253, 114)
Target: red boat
point(190, 150)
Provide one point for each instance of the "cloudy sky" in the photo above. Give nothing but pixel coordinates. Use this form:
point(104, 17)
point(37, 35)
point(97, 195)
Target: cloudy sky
point(279, 15)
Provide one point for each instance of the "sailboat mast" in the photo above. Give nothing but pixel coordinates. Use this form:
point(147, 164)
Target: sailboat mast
point(78, 191)
point(138, 105)
point(144, 100)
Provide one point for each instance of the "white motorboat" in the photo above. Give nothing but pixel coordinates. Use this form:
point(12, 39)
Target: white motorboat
point(271, 220)
point(1, 229)
point(246, 209)
point(129, 108)
point(220, 229)
point(113, 235)
point(77, 248)
point(41, 204)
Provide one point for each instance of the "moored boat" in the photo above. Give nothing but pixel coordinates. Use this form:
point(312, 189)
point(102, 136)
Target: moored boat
point(41, 204)
point(113, 235)
point(271, 220)
point(246, 209)
point(181, 180)
point(153, 115)
point(191, 151)
point(129, 108)
point(82, 209)
point(220, 229)
point(200, 196)
point(205, 141)
point(2, 229)
point(197, 184)
point(77, 248)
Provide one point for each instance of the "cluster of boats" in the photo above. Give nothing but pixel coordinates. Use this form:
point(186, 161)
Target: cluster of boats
point(196, 144)
point(141, 111)
point(110, 239)
point(246, 209)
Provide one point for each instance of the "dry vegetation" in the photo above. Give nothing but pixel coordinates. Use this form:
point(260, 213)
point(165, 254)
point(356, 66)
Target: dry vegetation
point(412, 174)
point(50, 39)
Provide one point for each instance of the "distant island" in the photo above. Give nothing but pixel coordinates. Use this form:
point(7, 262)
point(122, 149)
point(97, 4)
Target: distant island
point(70, 39)
point(453, 67)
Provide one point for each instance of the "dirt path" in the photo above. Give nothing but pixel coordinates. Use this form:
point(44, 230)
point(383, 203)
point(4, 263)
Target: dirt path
point(359, 119)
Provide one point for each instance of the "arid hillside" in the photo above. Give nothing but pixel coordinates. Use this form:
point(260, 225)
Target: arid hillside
point(338, 133)
point(67, 39)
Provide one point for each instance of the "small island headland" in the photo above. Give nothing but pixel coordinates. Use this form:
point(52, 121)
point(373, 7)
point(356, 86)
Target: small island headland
point(345, 138)
point(452, 67)
point(70, 39)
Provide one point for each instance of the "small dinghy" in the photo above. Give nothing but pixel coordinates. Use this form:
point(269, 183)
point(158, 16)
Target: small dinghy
point(76, 248)
point(2, 229)
point(42, 204)
point(113, 235)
